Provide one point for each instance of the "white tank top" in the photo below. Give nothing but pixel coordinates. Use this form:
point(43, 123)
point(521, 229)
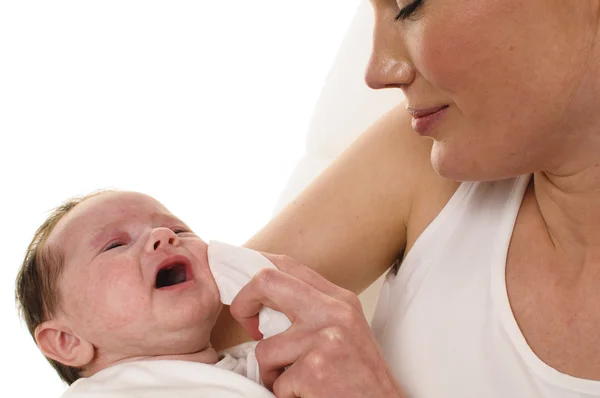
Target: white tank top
point(444, 321)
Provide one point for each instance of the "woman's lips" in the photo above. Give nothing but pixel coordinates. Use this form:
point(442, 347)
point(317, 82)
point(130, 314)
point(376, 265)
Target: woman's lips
point(425, 119)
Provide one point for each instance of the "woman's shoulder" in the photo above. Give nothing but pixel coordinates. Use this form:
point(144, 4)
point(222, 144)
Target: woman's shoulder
point(366, 196)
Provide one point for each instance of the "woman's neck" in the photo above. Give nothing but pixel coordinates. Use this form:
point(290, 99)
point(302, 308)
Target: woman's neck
point(570, 207)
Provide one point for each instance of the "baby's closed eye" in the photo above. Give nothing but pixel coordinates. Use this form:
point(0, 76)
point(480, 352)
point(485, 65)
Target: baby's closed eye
point(113, 245)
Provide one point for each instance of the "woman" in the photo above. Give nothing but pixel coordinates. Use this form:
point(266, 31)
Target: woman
point(496, 294)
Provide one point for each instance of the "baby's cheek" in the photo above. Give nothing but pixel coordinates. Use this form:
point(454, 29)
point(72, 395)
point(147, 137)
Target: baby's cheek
point(198, 248)
point(110, 301)
point(124, 298)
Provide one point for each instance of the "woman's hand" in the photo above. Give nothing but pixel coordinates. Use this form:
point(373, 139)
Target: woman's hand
point(329, 351)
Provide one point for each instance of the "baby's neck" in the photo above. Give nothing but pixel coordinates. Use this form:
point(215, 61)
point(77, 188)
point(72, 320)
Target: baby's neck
point(208, 356)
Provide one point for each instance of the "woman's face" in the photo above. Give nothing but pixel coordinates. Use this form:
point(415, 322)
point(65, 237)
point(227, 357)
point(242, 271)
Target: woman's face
point(519, 79)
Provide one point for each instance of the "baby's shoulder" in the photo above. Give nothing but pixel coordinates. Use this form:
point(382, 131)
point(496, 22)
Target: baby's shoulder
point(161, 379)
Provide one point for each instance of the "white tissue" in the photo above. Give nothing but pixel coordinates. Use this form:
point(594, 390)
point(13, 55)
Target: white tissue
point(233, 267)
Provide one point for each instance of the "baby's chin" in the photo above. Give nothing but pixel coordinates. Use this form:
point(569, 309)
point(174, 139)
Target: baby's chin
point(186, 321)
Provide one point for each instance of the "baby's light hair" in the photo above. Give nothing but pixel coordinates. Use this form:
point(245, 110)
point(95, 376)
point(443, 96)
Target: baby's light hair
point(36, 293)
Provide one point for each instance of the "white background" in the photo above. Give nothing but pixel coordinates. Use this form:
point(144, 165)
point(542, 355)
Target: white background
point(202, 104)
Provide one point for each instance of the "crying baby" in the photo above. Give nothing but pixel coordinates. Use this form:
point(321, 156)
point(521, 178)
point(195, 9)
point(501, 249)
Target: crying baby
point(119, 297)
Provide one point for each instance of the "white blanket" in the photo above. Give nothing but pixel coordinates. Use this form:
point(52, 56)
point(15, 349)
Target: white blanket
point(232, 377)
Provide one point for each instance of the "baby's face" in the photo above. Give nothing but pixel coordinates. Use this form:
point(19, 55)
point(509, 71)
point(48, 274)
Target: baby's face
point(136, 280)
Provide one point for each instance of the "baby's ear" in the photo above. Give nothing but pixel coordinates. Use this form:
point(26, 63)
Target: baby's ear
point(58, 342)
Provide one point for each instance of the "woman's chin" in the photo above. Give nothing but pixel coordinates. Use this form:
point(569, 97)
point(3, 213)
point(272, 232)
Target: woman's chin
point(449, 164)
point(457, 164)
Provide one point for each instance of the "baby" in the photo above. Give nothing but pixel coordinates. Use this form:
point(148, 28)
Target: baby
point(119, 297)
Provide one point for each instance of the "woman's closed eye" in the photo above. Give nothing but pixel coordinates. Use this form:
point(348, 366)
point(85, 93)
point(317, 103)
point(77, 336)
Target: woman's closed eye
point(409, 10)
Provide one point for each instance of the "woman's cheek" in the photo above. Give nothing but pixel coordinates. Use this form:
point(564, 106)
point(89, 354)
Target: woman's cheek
point(456, 42)
point(444, 56)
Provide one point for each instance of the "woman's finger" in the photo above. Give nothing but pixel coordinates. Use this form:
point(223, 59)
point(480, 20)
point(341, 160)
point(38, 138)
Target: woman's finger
point(286, 385)
point(313, 278)
point(282, 350)
point(290, 266)
point(277, 290)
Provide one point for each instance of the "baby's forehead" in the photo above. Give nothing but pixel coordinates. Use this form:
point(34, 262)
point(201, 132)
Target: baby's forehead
point(104, 209)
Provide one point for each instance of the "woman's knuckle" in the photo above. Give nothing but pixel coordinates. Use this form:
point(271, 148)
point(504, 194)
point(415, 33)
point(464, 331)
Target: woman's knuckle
point(285, 257)
point(317, 365)
point(281, 386)
point(266, 276)
point(334, 336)
point(348, 314)
point(352, 299)
point(290, 262)
point(282, 258)
point(262, 352)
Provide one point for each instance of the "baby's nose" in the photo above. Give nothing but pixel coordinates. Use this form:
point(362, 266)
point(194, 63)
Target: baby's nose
point(161, 238)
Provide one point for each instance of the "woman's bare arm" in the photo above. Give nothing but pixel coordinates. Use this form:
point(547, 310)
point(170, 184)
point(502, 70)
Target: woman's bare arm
point(350, 223)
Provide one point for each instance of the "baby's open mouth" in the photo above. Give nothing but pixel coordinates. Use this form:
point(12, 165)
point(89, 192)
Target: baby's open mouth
point(172, 275)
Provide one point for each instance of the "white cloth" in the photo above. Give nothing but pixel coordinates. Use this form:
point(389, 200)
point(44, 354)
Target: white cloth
point(241, 359)
point(444, 321)
point(233, 267)
point(229, 378)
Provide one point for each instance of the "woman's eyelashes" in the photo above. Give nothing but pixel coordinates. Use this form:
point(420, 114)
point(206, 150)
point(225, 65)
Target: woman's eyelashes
point(409, 10)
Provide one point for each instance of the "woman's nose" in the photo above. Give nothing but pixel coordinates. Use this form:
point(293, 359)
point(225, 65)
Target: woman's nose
point(388, 72)
point(389, 65)
point(161, 238)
